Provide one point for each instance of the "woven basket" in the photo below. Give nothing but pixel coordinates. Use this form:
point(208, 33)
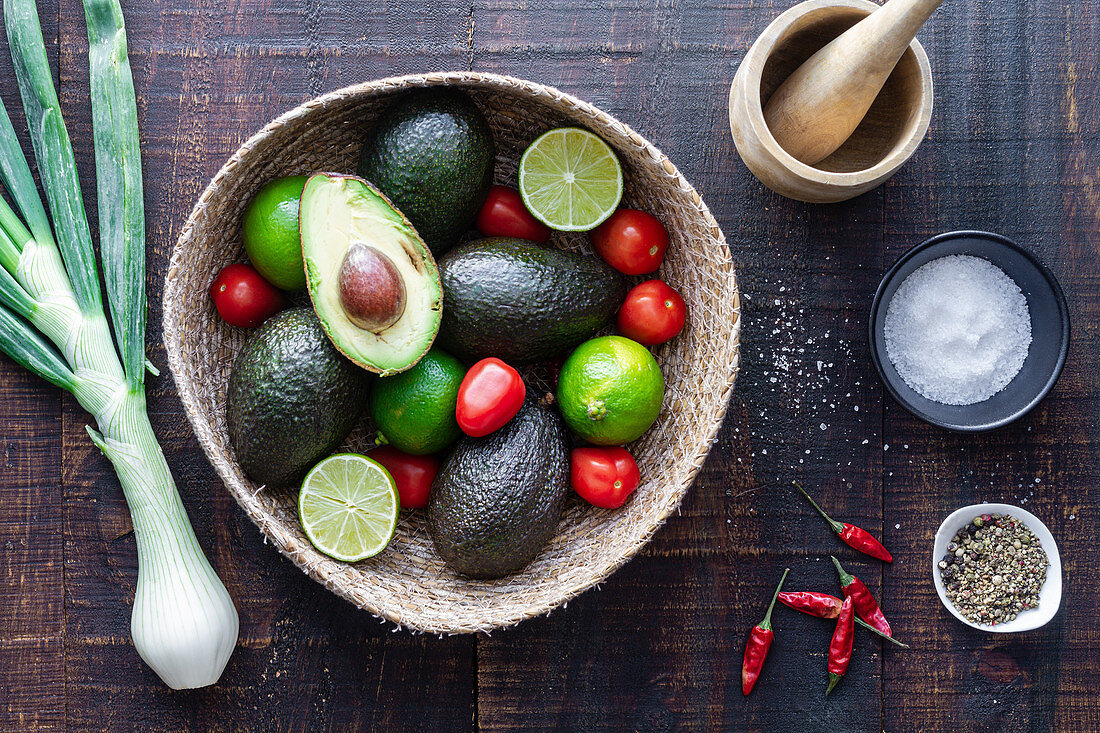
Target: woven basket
point(408, 583)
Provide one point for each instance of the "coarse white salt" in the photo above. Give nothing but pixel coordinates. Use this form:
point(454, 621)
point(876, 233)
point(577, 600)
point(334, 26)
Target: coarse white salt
point(958, 330)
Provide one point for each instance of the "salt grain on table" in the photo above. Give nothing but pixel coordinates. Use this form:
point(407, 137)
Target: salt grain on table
point(958, 330)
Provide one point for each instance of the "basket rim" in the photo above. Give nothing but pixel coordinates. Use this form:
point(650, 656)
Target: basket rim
point(629, 542)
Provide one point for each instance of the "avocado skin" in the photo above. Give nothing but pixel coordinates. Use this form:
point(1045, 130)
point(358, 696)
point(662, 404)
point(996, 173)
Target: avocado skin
point(432, 154)
point(497, 500)
point(292, 398)
point(523, 302)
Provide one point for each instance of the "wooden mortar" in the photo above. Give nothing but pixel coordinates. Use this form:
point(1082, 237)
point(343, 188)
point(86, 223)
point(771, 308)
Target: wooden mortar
point(888, 135)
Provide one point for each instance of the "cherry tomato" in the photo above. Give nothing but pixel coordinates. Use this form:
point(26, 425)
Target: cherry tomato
point(243, 298)
point(504, 215)
point(604, 477)
point(652, 313)
point(490, 395)
point(412, 474)
point(633, 242)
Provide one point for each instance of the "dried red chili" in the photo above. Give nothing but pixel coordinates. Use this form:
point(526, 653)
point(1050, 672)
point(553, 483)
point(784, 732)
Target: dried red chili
point(824, 605)
point(865, 603)
point(840, 649)
point(821, 605)
point(760, 641)
point(853, 536)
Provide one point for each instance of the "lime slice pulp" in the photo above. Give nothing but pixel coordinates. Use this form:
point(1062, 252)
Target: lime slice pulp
point(348, 507)
point(570, 179)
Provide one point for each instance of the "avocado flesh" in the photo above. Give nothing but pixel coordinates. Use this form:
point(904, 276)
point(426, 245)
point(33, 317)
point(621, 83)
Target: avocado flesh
point(292, 399)
point(432, 153)
point(338, 212)
point(497, 500)
point(523, 302)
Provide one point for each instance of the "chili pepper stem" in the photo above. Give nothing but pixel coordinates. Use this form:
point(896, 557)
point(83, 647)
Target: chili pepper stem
point(767, 622)
point(845, 578)
point(833, 679)
point(837, 526)
point(872, 629)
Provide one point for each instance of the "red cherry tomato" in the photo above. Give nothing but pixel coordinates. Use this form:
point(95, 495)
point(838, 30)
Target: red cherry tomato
point(490, 395)
point(604, 477)
point(504, 215)
point(412, 474)
point(652, 313)
point(633, 242)
point(243, 298)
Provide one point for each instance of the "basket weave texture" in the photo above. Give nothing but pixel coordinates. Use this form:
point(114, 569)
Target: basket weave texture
point(408, 583)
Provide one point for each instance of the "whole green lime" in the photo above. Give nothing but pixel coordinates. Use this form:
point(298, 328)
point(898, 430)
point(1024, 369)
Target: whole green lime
point(271, 235)
point(610, 390)
point(415, 410)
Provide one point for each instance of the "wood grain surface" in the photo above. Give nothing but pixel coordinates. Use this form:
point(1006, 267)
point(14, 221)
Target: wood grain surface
point(1013, 148)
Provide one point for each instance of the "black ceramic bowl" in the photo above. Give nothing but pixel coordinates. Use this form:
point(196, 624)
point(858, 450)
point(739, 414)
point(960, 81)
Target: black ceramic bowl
point(1049, 332)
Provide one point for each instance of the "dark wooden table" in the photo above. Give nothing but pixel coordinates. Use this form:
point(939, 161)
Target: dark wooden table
point(1013, 148)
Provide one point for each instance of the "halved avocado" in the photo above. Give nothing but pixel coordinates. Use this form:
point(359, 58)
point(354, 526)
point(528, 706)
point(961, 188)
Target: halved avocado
point(373, 281)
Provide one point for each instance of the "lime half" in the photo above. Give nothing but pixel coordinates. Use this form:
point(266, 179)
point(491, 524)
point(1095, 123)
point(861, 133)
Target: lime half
point(348, 507)
point(570, 179)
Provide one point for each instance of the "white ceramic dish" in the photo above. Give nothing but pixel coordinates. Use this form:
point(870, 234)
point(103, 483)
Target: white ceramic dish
point(1050, 594)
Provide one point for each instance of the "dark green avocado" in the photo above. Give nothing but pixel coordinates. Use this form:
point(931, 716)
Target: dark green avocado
point(497, 500)
point(523, 302)
point(292, 399)
point(431, 153)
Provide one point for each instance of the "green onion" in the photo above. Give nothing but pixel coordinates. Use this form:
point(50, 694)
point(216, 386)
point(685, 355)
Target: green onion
point(184, 624)
point(118, 178)
point(52, 149)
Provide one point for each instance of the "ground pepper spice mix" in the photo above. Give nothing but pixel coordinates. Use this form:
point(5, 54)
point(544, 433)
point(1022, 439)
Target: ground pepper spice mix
point(993, 569)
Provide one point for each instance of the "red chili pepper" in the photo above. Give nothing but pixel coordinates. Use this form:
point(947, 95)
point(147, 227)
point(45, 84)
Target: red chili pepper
point(865, 603)
point(852, 535)
point(824, 605)
point(840, 649)
point(760, 641)
point(821, 605)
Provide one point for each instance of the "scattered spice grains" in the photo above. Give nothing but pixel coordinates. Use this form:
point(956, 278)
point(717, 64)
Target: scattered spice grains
point(993, 569)
point(958, 330)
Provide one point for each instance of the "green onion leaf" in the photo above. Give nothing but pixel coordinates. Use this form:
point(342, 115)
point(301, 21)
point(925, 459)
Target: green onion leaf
point(14, 296)
point(118, 177)
point(16, 174)
point(9, 250)
point(21, 342)
point(52, 150)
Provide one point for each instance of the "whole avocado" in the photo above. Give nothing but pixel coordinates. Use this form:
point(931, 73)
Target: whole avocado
point(292, 398)
point(523, 302)
point(431, 153)
point(497, 500)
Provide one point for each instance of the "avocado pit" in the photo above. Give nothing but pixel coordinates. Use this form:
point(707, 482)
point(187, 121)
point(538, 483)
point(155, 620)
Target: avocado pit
point(372, 291)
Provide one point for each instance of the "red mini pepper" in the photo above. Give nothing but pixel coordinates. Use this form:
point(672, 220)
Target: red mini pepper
point(853, 536)
point(840, 649)
point(760, 641)
point(821, 605)
point(865, 603)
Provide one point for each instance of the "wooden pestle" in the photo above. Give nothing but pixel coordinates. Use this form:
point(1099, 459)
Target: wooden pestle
point(818, 107)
